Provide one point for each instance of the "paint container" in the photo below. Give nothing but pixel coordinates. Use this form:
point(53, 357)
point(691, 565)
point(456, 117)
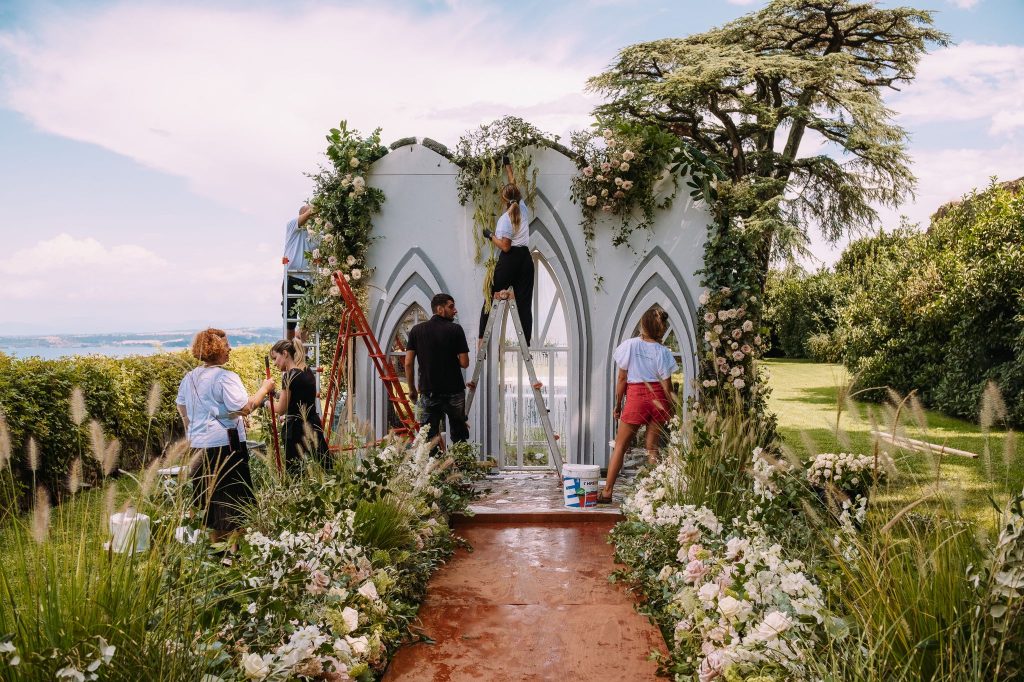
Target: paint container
point(579, 485)
point(129, 532)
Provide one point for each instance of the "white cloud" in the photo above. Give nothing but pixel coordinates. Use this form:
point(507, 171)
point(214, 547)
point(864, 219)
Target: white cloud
point(743, 3)
point(968, 82)
point(129, 287)
point(237, 101)
point(964, 4)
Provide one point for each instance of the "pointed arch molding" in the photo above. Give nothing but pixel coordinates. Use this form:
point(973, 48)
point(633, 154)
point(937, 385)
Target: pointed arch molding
point(550, 238)
point(658, 280)
point(414, 280)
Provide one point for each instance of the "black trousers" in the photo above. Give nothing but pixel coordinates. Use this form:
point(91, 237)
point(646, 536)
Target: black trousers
point(437, 406)
point(514, 269)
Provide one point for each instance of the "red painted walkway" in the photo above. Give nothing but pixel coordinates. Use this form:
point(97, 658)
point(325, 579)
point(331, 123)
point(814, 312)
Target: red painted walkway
point(531, 602)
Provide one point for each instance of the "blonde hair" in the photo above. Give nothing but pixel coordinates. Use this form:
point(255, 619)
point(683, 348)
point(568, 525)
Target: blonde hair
point(511, 195)
point(293, 348)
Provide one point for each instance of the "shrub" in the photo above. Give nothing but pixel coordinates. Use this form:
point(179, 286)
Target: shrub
point(799, 307)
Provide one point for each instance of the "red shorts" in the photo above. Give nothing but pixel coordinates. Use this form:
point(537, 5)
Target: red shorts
point(646, 404)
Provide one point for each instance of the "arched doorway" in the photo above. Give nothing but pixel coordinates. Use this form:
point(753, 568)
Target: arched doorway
point(522, 442)
point(413, 315)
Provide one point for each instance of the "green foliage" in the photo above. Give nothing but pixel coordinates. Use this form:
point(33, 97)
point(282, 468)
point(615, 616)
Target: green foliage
point(801, 312)
point(383, 523)
point(35, 397)
point(622, 167)
point(340, 232)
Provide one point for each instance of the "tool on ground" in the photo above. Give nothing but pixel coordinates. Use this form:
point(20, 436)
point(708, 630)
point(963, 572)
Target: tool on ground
point(273, 420)
point(504, 303)
point(354, 325)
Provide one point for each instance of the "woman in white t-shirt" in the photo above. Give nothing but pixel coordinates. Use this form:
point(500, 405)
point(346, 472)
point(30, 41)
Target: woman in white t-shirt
point(212, 401)
point(515, 263)
point(644, 380)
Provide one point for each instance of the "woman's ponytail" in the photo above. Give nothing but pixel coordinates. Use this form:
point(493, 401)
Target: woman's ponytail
point(511, 195)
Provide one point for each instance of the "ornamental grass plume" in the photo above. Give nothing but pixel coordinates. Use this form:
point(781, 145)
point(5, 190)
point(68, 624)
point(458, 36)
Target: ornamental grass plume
point(153, 400)
point(97, 440)
point(5, 441)
point(111, 456)
point(41, 515)
point(78, 411)
point(75, 476)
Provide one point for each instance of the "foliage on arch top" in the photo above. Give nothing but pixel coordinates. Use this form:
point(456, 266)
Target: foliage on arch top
point(340, 230)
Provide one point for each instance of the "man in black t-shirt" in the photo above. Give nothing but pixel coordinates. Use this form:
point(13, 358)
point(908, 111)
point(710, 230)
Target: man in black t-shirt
point(440, 345)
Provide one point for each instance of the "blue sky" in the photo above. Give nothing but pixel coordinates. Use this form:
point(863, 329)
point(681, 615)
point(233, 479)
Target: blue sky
point(150, 153)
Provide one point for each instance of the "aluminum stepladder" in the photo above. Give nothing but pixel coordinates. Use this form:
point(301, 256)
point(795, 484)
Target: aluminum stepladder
point(287, 297)
point(353, 324)
point(500, 309)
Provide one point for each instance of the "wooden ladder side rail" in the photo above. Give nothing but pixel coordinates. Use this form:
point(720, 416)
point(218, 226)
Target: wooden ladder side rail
point(337, 368)
point(356, 325)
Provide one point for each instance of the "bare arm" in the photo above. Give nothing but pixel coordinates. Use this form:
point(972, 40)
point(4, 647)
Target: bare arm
point(503, 243)
point(463, 360)
point(410, 365)
point(281, 404)
point(255, 400)
point(303, 217)
point(620, 392)
point(184, 416)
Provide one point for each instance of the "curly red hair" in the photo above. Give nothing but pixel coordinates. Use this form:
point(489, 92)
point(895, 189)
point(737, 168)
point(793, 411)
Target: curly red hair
point(211, 346)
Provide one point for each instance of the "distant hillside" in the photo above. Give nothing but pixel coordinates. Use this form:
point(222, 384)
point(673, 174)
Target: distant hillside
point(110, 344)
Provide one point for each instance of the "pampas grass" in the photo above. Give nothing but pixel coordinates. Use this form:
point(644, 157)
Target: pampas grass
point(78, 412)
point(5, 441)
point(97, 440)
point(153, 399)
point(75, 476)
point(111, 456)
point(41, 515)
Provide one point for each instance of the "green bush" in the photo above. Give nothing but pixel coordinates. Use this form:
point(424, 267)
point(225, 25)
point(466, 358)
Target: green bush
point(35, 397)
point(799, 307)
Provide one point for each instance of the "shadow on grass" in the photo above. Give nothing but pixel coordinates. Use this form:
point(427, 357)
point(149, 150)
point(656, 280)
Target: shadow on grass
point(819, 395)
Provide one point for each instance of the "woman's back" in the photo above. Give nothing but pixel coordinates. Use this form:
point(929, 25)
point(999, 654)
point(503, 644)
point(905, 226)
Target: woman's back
point(209, 395)
point(301, 387)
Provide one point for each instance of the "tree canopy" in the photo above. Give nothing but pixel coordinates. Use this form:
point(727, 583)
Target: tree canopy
point(747, 93)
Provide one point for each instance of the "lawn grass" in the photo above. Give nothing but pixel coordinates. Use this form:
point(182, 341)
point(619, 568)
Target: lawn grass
point(805, 396)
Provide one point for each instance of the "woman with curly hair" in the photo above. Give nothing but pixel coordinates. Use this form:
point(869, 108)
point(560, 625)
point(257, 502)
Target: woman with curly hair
point(212, 401)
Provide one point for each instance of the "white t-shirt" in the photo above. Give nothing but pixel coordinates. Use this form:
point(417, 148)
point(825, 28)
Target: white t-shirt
point(504, 228)
point(644, 361)
point(296, 244)
point(209, 394)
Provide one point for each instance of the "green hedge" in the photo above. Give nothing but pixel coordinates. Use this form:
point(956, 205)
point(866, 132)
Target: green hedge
point(801, 309)
point(35, 397)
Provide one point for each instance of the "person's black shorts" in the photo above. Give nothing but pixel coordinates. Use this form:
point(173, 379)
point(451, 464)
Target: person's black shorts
point(296, 287)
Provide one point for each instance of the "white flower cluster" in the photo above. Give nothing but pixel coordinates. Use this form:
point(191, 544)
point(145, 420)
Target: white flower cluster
point(104, 654)
point(742, 605)
point(844, 470)
point(609, 187)
point(651, 501)
point(731, 341)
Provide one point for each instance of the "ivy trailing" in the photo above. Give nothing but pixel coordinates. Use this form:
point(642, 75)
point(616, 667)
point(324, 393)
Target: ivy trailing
point(340, 231)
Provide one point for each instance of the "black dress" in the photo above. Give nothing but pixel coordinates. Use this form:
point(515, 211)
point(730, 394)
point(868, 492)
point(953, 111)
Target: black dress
point(302, 432)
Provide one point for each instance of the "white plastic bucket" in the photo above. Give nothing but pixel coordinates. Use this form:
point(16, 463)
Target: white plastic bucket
point(129, 532)
point(579, 485)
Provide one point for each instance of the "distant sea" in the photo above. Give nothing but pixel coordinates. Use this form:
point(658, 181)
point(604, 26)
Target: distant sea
point(120, 345)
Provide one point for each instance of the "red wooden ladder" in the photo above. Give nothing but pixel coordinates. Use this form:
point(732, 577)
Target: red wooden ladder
point(354, 324)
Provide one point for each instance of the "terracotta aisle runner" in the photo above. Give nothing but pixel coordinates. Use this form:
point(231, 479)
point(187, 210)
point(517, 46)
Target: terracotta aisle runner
point(531, 602)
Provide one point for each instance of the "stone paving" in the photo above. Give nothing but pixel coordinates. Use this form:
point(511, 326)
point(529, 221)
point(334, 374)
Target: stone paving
point(532, 601)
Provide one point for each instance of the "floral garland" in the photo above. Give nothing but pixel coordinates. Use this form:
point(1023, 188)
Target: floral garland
point(622, 167)
point(340, 230)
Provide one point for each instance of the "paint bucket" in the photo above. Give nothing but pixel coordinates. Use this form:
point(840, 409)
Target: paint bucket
point(579, 484)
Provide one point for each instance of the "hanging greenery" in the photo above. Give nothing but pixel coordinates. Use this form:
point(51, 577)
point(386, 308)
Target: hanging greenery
point(339, 232)
point(622, 169)
point(481, 156)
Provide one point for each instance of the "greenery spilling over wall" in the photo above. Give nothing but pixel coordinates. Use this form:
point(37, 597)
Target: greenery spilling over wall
point(939, 312)
point(119, 395)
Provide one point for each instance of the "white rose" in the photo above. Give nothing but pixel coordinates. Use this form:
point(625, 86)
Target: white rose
point(773, 625)
point(604, 192)
point(334, 290)
point(369, 590)
point(588, 171)
point(353, 162)
point(254, 667)
point(748, 326)
point(332, 261)
point(357, 273)
point(709, 318)
point(628, 155)
point(328, 238)
point(708, 592)
point(358, 182)
point(351, 260)
point(351, 618)
point(627, 184)
point(618, 181)
point(695, 570)
point(316, 253)
point(704, 298)
point(592, 200)
point(739, 383)
point(736, 547)
point(600, 178)
point(732, 608)
point(623, 166)
point(360, 645)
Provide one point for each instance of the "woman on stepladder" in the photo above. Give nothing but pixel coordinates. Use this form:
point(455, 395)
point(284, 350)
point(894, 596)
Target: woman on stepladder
point(515, 263)
point(644, 380)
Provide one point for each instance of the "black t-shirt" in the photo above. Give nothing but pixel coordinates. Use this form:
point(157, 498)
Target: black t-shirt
point(301, 385)
point(438, 343)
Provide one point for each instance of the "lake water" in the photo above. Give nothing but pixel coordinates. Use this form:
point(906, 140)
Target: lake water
point(53, 352)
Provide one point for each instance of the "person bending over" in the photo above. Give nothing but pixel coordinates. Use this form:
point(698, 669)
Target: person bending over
point(644, 380)
point(302, 433)
point(440, 346)
point(212, 401)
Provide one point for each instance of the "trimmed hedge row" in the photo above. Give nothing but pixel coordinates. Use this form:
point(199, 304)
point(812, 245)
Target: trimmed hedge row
point(35, 397)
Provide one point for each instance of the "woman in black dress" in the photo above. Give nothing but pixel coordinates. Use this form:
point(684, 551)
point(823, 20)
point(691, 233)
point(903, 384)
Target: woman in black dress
point(301, 431)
